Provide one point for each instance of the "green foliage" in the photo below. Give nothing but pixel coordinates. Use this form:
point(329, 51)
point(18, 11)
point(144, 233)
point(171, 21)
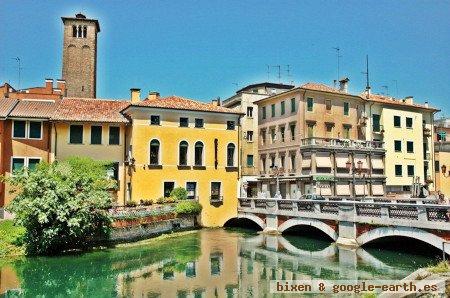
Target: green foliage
point(11, 238)
point(167, 200)
point(131, 204)
point(188, 207)
point(146, 202)
point(441, 267)
point(62, 205)
point(179, 193)
point(160, 200)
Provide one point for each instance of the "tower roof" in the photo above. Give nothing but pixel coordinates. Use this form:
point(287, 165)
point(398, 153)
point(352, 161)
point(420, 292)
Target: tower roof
point(81, 17)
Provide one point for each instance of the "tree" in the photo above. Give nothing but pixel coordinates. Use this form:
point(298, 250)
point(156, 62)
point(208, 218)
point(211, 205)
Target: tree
point(62, 205)
point(179, 193)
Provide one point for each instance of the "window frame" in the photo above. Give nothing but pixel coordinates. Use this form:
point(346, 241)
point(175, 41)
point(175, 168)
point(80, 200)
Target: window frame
point(406, 123)
point(234, 162)
point(264, 113)
point(283, 107)
point(395, 145)
point(70, 134)
point(197, 121)
point(158, 117)
point(249, 112)
point(164, 187)
point(159, 157)
point(26, 160)
point(28, 125)
point(328, 101)
point(211, 188)
point(249, 136)
point(187, 122)
point(187, 153)
point(408, 167)
point(202, 164)
point(195, 191)
point(231, 125)
point(308, 106)
point(407, 147)
point(109, 135)
point(399, 121)
point(252, 159)
point(273, 111)
point(401, 170)
point(293, 105)
point(101, 134)
point(346, 108)
point(24, 132)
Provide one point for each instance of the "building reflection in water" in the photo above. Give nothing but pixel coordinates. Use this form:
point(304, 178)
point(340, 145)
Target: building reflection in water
point(233, 265)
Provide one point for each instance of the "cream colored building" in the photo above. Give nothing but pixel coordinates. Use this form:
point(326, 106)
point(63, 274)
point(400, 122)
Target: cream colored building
point(244, 102)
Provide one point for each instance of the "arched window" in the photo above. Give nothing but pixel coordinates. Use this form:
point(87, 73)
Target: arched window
point(154, 152)
point(74, 31)
point(84, 32)
point(199, 154)
point(183, 151)
point(230, 155)
point(79, 31)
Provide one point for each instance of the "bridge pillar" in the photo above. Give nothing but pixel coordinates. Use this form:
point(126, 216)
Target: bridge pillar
point(347, 226)
point(348, 261)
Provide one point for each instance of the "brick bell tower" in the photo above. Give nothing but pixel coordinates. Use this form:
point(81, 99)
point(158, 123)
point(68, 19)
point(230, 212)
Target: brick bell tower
point(79, 65)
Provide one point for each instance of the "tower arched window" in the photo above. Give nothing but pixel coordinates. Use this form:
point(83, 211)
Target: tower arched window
point(154, 152)
point(230, 155)
point(79, 31)
point(183, 153)
point(199, 154)
point(84, 31)
point(74, 31)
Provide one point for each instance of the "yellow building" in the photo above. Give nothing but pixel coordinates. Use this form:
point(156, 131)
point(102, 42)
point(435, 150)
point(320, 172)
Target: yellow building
point(406, 128)
point(177, 142)
point(92, 128)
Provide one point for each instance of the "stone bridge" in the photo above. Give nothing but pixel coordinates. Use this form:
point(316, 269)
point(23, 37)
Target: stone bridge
point(352, 223)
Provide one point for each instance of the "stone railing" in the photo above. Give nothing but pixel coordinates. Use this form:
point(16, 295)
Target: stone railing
point(342, 143)
point(427, 216)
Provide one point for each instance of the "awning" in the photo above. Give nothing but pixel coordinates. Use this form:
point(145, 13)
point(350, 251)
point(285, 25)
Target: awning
point(361, 158)
point(377, 163)
point(377, 189)
point(341, 161)
point(306, 162)
point(361, 189)
point(342, 189)
point(323, 161)
point(324, 190)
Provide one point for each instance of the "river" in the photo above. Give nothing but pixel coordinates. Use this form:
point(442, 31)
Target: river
point(203, 263)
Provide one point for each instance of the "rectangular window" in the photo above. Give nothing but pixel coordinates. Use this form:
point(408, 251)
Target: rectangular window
point(199, 123)
point(191, 188)
point(184, 122)
point(283, 107)
point(76, 134)
point(292, 127)
point(293, 162)
point(263, 164)
point(190, 270)
point(346, 109)
point(346, 132)
point(310, 104)
point(264, 113)
point(155, 120)
point(263, 136)
point(436, 166)
point(282, 161)
point(215, 264)
point(19, 129)
point(282, 128)
point(250, 136)
point(17, 164)
point(230, 125)
point(328, 105)
point(272, 135)
point(376, 123)
point(249, 160)
point(32, 163)
point(168, 187)
point(250, 112)
point(398, 170)
point(397, 121)
point(310, 130)
point(442, 136)
point(292, 105)
point(96, 135)
point(410, 147)
point(215, 191)
point(113, 171)
point(272, 108)
point(398, 146)
point(410, 170)
point(409, 122)
point(114, 135)
point(35, 130)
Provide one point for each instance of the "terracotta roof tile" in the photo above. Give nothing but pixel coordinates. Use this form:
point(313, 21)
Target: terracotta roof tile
point(90, 110)
point(393, 101)
point(321, 87)
point(181, 103)
point(6, 105)
point(27, 108)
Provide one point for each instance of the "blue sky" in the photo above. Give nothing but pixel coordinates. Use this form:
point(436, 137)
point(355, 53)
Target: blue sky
point(201, 49)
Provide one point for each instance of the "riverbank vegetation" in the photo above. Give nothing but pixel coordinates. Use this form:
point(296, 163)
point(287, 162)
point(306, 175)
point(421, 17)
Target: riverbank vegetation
point(11, 239)
point(441, 267)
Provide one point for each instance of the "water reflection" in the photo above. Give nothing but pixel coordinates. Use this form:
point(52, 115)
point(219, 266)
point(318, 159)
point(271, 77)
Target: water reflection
point(207, 263)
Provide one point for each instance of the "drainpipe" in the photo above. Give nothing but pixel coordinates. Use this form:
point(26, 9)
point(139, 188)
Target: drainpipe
point(49, 141)
point(56, 138)
point(240, 158)
point(125, 182)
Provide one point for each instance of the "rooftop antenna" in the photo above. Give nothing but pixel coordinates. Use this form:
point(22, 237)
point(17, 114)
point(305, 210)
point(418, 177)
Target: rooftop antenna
point(288, 71)
point(396, 88)
point(236, 84)
point(386, 88)
point(268, 73)
point(338, 55)
point(19, 68)
point(367, 75)
point(279, 72)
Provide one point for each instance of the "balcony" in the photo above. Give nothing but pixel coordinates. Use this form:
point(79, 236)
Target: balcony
point(342, 144)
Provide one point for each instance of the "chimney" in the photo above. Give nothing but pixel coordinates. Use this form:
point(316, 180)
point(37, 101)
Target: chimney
point(153, 95)
point(426, 104)
point(343, 85)
point(61, 85)
point(49, 85)
point(215, 101)
point(135, 95)
point(409, 100)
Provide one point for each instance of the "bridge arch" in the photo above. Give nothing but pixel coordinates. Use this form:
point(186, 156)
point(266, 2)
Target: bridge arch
point(309, 222)
point(250, 217)
point(408, 232)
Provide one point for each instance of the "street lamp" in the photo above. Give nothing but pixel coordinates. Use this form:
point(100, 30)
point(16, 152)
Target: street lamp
point(359, 170)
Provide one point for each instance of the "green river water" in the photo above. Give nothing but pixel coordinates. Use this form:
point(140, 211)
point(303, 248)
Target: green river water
point(203, 263)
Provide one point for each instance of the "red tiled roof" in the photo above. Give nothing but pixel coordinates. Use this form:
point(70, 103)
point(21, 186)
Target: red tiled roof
point(394, 101)
point(6, 105)
point(27, 108)
point(181, 103)
point(323, 87)
point(90, 110)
